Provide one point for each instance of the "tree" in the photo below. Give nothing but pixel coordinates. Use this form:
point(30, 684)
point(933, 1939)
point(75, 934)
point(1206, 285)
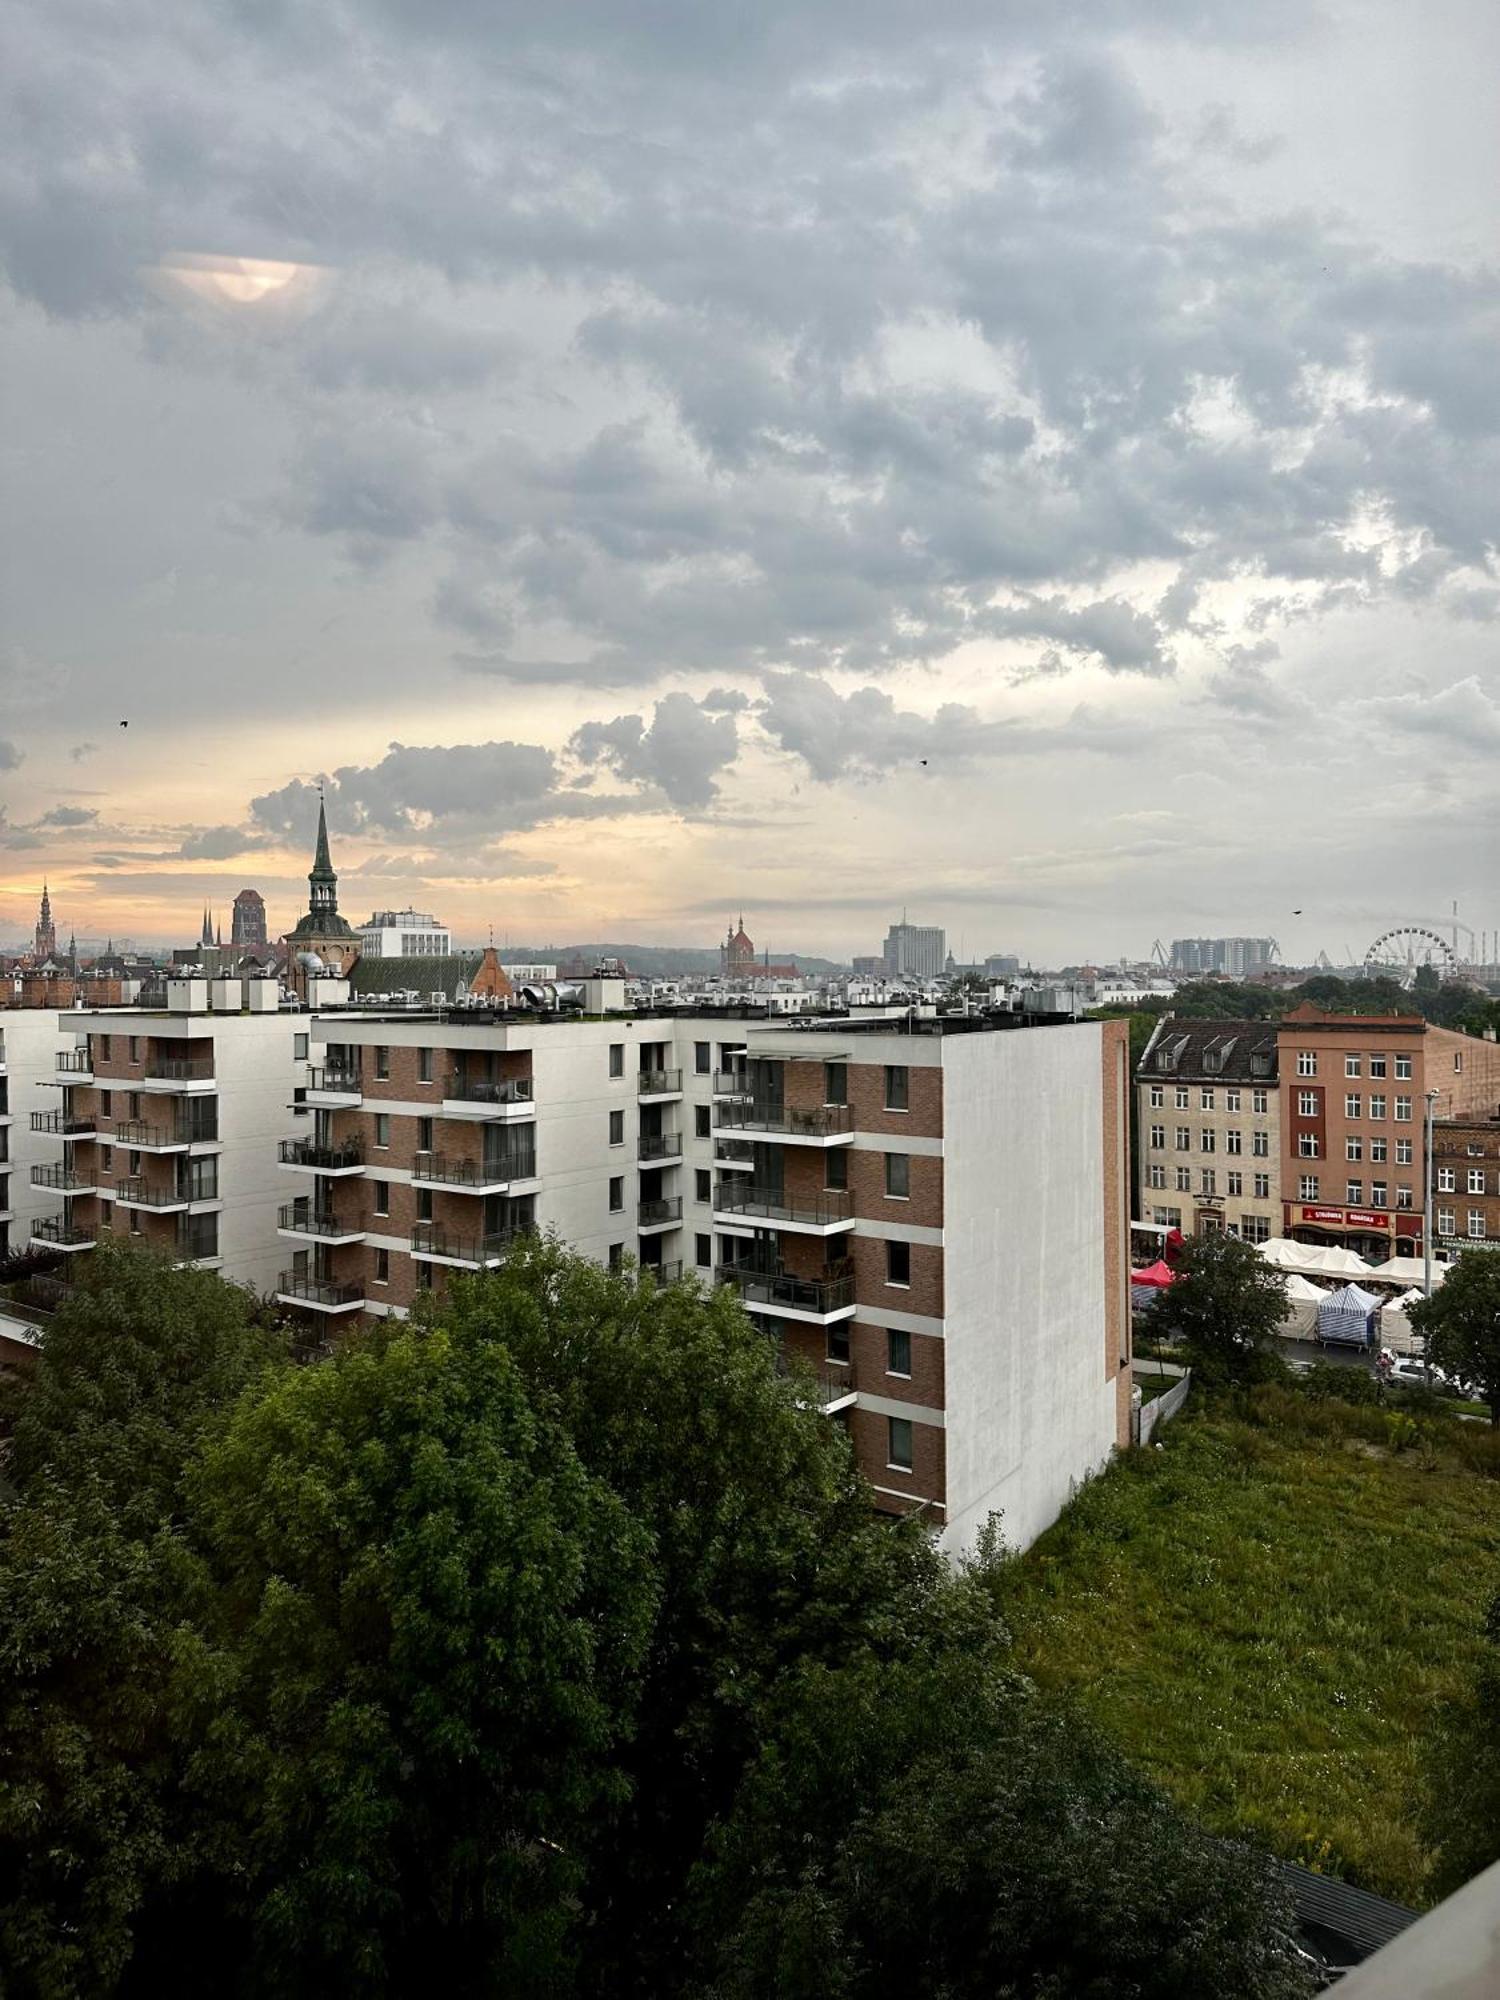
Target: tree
point(1225, 1305)
point(1463, 1809)
point(1460, 1324)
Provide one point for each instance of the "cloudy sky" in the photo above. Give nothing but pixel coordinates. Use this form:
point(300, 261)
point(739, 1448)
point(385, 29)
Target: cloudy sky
point(1034, 462)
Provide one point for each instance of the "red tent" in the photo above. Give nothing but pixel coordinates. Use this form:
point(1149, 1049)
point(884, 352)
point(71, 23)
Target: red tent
point(1154, 1274)
point(1173, 1247)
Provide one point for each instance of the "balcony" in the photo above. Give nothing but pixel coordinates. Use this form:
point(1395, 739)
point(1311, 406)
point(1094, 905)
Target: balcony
point(434, 1244)
point(137, 1192)
point(731, 1083)
point(487, 1097)
point(66, 1124)
point(308, 1157)
point(658, 1086)
point(831, 1388)
point(63, 1180)
point(176, 1074)
point(142, 1137)
point(665, 1273)
point(734, 1156)
point(329, 1295)
point(334, 1087)
point(313, 1225)
point(440, 1170)
point(76, 1066)
point(816, 1125)
point(653, 1216)
point(660, 1146)
point(56, 1232)
point(814, 1300)
point(827, 1214)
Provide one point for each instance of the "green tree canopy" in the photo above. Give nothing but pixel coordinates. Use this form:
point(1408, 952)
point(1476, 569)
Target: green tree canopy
point(1225, 1305)
point(1460, 1324)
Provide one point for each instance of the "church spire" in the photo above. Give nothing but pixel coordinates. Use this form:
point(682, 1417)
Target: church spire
point(206, 935)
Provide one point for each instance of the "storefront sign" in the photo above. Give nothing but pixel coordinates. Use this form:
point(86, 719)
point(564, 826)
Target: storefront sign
point(1349, 1218)
point(1470, 1242)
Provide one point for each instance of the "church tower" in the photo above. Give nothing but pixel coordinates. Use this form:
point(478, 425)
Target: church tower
point(322, 929)
point(44, 944)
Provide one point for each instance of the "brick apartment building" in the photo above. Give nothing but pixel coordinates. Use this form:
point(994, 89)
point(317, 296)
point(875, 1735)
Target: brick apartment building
point(1353, 1104)
point(933, 1213)
point(166, 1126)
point(1208, 1127)
point(1466, 1182)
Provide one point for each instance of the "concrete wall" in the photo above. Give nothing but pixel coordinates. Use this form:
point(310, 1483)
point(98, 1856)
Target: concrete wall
point(1031, 1408)
point(32, 1041)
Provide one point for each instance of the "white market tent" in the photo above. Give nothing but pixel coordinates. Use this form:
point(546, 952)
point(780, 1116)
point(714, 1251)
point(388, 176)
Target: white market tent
point(1349, 1317)
point(1315, 1260)
point(1406, 1271)
point(1303, 1298)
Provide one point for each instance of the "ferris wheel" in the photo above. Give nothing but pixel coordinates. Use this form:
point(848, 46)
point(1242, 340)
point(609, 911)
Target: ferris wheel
point(1409, 946)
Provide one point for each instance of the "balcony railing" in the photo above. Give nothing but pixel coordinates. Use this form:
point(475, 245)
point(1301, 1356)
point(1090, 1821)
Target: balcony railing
point(730, 1150)
point(731, 1083)
point(773, 1205)
point(65, 1124)
point(77, 1062)
point(815, 1121)
point(488, 1090)
point(137, 1192)
point(316, 1222)
point(307, 1153)
point(456, 1173)
point(62, 1180)
point(832, 1382)
point(136, 1132)
point(665, 1273)
point(180, 1069)
point(432, 1239)
point(650, 1213)
point(335, 1076)
point(660, 1146)
point(69, 1235)
point(780, 1288)
point(320, 1291)
point(658, 1082)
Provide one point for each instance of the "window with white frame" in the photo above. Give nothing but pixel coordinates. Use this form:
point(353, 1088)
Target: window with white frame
point(1235, 1184)
point(1158, 1138)
point(1403, 1152)
point(1378, 1194)
point(1207, 1186)
point(1184, 1139)
point(1307, 1104)
point(1476, 1222)
point(1307, 1145)
point(1184, 1180)
point(1475, 1149)
point(1403, 1196)
point(1377, 1065)
point(1206, 1098)
point(1258, 1102)
point(1354, 1147)
point(1255, 1228)
point(1379, 1148)
point(1262, 1187)
point(1403, 1110)
point(1157, 1097)
point(1156, 1176)
point(1307, 1062)
point(1260, 1145)
point(1447, 1180)
point(1353, 1104)
point(1458, 1063)
point(1167, 1218)
point(1476, 1180)
point(1354, 1192)
point(1403, 1067)
point(1307, 1188)
point(1445, 1221)
point(1184, 1097)
point(1231, 1100)
point(1377, 1104)
point(1234, 1141)
point(1207, 1140)
point(1352, 1065)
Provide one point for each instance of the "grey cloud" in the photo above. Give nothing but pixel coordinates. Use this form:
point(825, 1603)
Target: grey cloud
point(682, 751)
point(1463, 718)
point(10, 756)
point(221, 843)
point(80, 751)
point(68, 816)
point(725, 701)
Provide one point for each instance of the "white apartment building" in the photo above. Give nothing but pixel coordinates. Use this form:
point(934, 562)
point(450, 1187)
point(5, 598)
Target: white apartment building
point(404, 934)
point(30, 1044)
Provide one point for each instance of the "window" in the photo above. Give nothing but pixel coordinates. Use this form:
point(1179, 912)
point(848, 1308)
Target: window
point(1234, 1142)
point(1208, 1181)
point(382, 1267)
point(1168, 1218)
point(135, 1048)
point(382, 1129)
point(1262, 1187)
point(1475, 1149)
point(1445, 1221)
point(1403, 1068)
point(1403, 1111)
point(703, 1120)
point(616, 1193)
point(1156, 1176)
point(703, 1185)
point(617, 1128)
point(1447, 1180)
point(836, 1168)
point(1158, 1138)
point(1403, 1196)
point(1352, 1065)
point(1377, 1065)
point(1184, 1097)
point(1184, 1180)
point(898, 1444)
point(1307, 1188)
point(422, 1277)
point(1377, 1104)
point(1379, 1148)
point(836, 1345)
point(1231, 1100)
point(104, 1048)
point(382, 1063)
point(424, 1065)
point(299, 1048)
point(1184, 1139)
point(1206, 1140)
point(836, 1083)
point(1354, 1147)
point(380, 1197)
point(1260, 1145)
point(424, 1135)
point(1258, 1100)
point(1234, 1184)
point(1379, 1194)
point(1307, 1145)
point(1307, 1062)
point(106, 1102)
point(1307, 1104)
point(896, 1086)
point(897, 1352)
point(616, 1255)
point(703, 1250)
point(1354, 1192)
point(1353, 1105)
point(1458, 1063)
point(424, 1204)
point(617, 1058)
point(1255, 1228)
point(1476, 1222)
point(1157, 1097)
point(1206, 1098)
point(1476, 1180)
point(703, 1058)
point(898, 1177)
point(898, 1263)
point(1403, 1152)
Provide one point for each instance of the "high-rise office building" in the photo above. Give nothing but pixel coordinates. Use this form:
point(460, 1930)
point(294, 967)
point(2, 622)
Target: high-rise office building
point(914, 951)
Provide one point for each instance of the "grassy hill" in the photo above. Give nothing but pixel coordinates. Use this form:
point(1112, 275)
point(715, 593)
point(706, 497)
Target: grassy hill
point(1271, 1615)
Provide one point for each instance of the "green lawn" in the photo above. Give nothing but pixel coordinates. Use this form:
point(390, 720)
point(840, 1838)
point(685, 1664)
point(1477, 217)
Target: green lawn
point(1269, 1622)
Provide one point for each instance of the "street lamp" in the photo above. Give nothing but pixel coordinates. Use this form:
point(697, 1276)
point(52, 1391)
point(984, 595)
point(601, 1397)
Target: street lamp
point(1432, 1098)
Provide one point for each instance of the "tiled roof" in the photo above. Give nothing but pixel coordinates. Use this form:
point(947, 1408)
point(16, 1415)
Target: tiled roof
point(415, 975)
point(1211, 1051)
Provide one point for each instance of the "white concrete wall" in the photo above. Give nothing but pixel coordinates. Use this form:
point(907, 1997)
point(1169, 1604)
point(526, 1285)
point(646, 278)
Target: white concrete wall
point(1031, 1409)
point(257, 1071)
point(33, 1042)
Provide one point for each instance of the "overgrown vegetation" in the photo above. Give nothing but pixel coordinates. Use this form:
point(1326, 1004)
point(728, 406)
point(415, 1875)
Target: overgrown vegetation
point(1280, 1617)
point(546, 1646)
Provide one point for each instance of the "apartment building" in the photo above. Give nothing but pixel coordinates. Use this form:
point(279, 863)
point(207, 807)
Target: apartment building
point(933, 1214)
point(1466, 1182)
point(29, 1047)
point(1208, 1124)
point(1354, 1092)
point(166, 1126)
